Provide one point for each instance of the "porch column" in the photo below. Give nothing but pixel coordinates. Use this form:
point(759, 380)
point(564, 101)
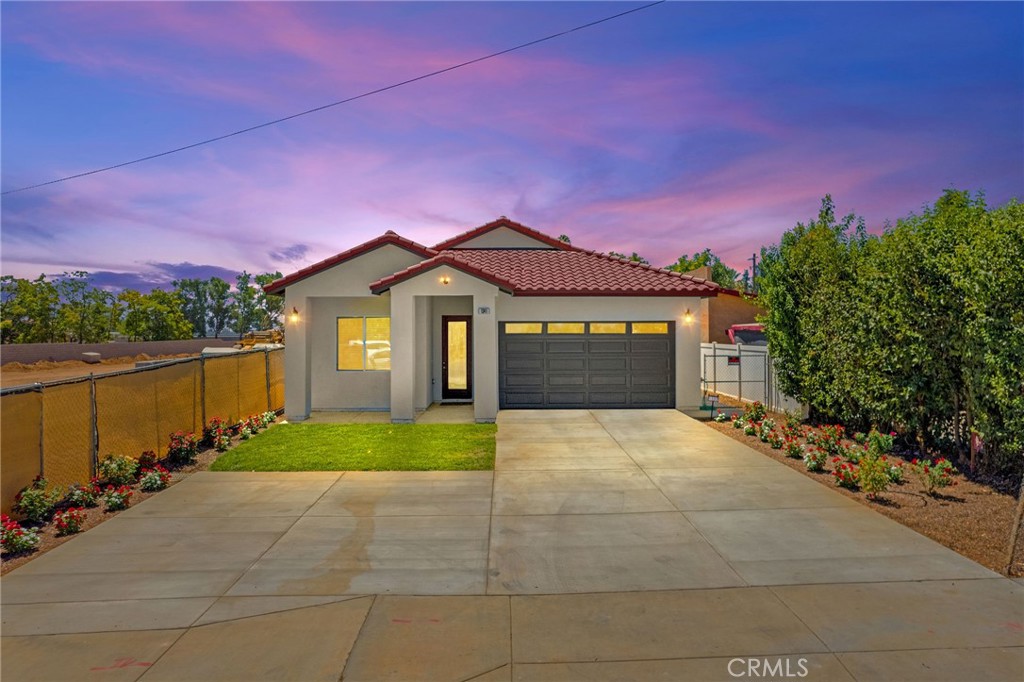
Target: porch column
point(297, 354)
point(688, 388)
point(403, 356)
point(485, 357)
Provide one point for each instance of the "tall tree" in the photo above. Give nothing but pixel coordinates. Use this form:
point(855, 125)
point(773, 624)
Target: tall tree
point(246, 315)
point(195, 303)
point(29, 310)
point(85, 312)
point(721, 273)
point(220, 308)
point(269, 306)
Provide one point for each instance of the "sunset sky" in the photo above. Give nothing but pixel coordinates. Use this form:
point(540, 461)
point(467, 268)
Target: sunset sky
point(680, 127)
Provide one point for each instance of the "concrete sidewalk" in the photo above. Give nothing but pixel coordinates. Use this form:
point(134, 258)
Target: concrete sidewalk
point(606, 545)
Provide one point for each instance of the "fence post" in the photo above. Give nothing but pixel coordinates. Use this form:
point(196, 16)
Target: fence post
point(42, 409)
point(266, 374)
point(202, 389)
point(739, 372)
point(95, 424)
point(714, 365)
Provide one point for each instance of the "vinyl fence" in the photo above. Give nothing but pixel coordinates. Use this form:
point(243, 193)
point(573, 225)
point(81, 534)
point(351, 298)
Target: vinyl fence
point(61, 429)
point(743, 372)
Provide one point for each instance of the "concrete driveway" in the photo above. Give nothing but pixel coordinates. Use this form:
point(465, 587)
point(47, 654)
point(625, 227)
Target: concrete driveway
point(607, 545)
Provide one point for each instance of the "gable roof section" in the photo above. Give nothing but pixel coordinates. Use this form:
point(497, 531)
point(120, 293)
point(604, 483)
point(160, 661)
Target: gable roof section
point(388, 237)
point(548, 272)
point(455, 241)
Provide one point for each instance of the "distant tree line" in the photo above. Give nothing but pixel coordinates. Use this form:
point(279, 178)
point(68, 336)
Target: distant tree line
point(920, 329)
point(69, 308)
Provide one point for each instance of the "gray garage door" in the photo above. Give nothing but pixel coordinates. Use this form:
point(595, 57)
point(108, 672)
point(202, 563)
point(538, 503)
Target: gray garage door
point(583, 364)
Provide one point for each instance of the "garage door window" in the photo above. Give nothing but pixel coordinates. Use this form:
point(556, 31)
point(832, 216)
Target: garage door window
point(650, 327)
point(566, 327)
point(607, 327)
point(523, 327)
point(364, 343)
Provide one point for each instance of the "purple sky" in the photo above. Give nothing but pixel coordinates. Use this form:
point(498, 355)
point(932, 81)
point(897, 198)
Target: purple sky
point(685, 126)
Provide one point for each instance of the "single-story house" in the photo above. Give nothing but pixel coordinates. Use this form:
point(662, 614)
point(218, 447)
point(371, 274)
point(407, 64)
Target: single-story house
point(501, 316)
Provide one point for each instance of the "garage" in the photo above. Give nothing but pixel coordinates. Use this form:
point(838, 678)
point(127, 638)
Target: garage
point(565, 365)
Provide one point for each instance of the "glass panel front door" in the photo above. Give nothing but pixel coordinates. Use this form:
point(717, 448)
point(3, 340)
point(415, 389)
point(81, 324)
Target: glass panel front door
point(456, 356)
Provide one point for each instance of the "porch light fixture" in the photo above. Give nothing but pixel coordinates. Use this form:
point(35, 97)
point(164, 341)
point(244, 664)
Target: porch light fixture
point(446, 280)
point(688, 317)
point(294, 316)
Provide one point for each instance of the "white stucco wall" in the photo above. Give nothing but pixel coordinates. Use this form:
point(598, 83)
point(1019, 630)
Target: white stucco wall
point(622, 309)
point(311, 378)
point(503, 238)
point(446, 305)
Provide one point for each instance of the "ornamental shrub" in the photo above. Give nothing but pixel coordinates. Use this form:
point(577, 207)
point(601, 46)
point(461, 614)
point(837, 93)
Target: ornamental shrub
point(69, 521)
point(873, 475)
point(83, 495)
point(215, 427)
point(815, 458)
point(845, 473)
point(183, 448)
point(894, 470)
point(765, 428)
point(933, 476)
point(116, 498)
point(830, 439)
point(147, 460)
point(754, 412)
point(879, 444)
point(35, 502)
point(793, 447)
point(14, 538)
point(118, 469)
point(721, 418)
point(154, 479)
point(750, 429)
point(776, 440)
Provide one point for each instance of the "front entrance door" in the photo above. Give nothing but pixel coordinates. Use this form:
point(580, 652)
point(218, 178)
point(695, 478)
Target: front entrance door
point(456, 357)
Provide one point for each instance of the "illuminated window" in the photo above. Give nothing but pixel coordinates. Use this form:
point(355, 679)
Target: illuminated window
point(650, 327)
point(607, 327)
point(565, 327)
point(523, 327)
point(364, 343)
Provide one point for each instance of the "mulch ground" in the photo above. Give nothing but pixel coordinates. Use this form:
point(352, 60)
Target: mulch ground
point(970, 518)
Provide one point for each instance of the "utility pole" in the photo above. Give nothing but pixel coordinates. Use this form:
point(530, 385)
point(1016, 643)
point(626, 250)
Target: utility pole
point(753, 272)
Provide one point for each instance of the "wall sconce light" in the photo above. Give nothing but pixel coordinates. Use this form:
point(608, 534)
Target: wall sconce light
point(688, 317)
point(446, 280)
point(294, 316)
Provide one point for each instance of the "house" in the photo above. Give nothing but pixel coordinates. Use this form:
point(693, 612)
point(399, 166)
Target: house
point(721, 312)
point(502, 316)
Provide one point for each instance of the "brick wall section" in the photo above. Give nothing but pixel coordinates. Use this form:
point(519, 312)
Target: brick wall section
point(722, 312)
point(28, 353)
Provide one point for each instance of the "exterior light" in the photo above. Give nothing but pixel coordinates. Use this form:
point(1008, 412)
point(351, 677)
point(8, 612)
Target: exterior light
point(688, 317)
point(446, 280)
point(294, 316)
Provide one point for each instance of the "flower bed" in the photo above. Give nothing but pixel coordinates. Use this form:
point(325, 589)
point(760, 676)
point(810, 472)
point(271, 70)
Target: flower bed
point(971, 518)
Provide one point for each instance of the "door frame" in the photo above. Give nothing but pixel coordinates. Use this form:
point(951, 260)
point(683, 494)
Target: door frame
point(457, 393)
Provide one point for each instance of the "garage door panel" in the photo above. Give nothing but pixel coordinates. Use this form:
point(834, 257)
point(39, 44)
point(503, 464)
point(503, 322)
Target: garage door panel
point(603, 370)
point(617, 346)
point(578, 364)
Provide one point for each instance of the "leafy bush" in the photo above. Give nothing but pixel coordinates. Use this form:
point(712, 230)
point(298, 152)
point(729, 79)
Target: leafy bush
point(147, 460)
point(873, 475)
point(14, 538)
point(737, 421)
point(776, 440)
point(721, 418)
point(116, 498)
point(934, 476)
point(879, 444)
point(815, 458)
point(35, 502)
point(84, 495)
point(118, 469)
point(69, 521)
point(764, 429)
point(268, 418)
point(754, 412)
point(894, 470)
point(750, 429)
point(845, 473)
point(793, 447)
point(154, 479)
point(183, 448)
point(217, 426)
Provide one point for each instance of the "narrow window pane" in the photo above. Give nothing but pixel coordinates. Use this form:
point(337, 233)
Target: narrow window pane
point(650, 327)
point(523, 327)
point(378, 343)
point(565, 327)
point(458, 356)
point(607, 327)
point(350, 343)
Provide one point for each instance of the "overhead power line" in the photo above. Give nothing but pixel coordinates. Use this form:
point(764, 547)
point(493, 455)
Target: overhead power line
point(335, 104)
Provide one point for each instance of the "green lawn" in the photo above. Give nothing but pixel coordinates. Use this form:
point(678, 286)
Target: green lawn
point(364, 447)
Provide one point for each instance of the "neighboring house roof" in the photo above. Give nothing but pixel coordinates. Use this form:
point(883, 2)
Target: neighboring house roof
point(455, 241)
point(548, 272)
point(388, 237)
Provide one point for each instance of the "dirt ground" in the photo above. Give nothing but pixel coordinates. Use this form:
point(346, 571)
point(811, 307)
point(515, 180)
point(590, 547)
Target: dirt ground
point(17, 374)
point(970, 518)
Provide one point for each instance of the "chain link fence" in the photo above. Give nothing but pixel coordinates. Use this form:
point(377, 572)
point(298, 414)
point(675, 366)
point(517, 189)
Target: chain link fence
point(744, 372)
point(60, 430)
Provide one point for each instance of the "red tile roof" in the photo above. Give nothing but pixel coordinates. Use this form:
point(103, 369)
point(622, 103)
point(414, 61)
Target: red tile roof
point(548, 272)
point(455, 241)
point(388, 237)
